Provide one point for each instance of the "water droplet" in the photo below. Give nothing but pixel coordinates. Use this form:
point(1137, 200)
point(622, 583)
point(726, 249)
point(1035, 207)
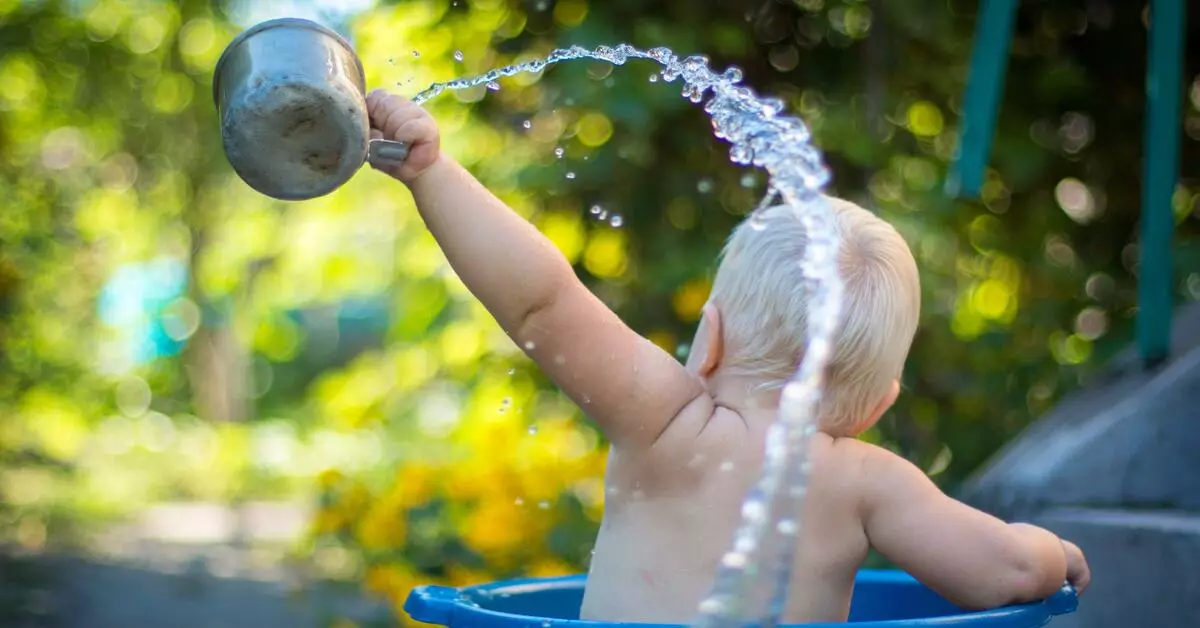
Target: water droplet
point(559, 359)
point(654, 78)
point(546, 624)
point(520, 501)
point(391, 60)
point(493, 86)
point(727, 466)
point(570, 175)
point(753, 511)
point(616, 221)
point(512, 372)
point(741, 155)
point(787, 527)
point(416, 55)
point(559, 151)
point(529, 346)
point(749, 180)
point(595, 210)
point(712, 606)
point(505, 403)
point(704, 186)
point(528, 124)
point(533, 430)
point(734, 560)
point(544, 505)
point(458, 55)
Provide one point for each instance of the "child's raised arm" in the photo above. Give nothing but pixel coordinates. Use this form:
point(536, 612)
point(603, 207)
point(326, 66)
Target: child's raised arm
point(629, 386)
point(969, 557)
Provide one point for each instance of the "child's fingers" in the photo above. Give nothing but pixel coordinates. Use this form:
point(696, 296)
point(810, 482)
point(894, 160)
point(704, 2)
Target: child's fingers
point(398, 118)
point(415, 131)
point(378, 98)
point(382, 105)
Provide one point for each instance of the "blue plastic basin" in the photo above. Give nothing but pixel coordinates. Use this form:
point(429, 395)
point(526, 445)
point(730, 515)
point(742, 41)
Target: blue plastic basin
point(882, 599)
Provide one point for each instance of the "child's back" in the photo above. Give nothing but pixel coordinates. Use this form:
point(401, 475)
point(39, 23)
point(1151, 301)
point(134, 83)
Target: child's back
point(660, 544)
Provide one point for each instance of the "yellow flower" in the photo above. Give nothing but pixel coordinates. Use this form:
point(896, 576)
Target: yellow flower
point(327, 521)
point(550, 567)
point(498, 527)
point(328, 478)
point(384, 527)
point(460, 576)
point(354, 500)
point(390, 581)
point(689, 300)
point(415, 485)
point(481, 476)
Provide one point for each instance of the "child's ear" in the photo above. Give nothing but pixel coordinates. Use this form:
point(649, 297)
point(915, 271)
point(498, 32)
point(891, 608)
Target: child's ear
point(714, 347)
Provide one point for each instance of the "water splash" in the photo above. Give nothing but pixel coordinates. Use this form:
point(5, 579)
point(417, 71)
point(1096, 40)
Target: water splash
point(761, 136)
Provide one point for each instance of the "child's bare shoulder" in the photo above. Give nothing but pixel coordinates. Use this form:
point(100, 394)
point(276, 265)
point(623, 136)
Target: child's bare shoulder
point(850, 452)
point(858, 466)
point(875, 475)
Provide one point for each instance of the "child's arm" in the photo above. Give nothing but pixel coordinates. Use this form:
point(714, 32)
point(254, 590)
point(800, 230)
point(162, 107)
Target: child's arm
point(629, 386)
point(970, 557)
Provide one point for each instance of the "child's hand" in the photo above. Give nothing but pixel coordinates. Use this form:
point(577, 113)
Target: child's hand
point(397, 118)
point(1078, 573)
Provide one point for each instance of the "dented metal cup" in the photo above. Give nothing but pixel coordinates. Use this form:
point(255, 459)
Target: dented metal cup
point(291, 99)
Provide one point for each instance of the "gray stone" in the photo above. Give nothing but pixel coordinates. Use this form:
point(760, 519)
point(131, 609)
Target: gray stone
point(95, 594)
point(1143, 567)
point(1129, 439)
point(1115, 468)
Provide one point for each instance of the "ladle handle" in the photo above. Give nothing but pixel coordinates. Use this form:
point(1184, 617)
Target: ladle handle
point(386, 153)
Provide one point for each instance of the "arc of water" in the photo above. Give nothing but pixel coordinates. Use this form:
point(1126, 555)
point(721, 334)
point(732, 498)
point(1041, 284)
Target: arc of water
point(779, 144)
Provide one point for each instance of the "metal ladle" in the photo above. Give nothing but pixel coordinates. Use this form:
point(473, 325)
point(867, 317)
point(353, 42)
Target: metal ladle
point(291, 98)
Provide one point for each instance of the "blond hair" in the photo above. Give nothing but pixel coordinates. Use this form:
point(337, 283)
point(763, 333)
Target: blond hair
point(760, 293)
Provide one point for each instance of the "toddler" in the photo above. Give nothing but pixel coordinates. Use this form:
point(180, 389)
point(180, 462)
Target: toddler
point(687, 439)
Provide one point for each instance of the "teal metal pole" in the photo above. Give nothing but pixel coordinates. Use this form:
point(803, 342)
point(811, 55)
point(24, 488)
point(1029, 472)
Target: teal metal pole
point(1160, 171)
point(985, 86)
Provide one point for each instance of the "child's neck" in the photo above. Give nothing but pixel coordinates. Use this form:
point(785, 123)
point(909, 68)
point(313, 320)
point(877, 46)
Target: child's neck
point(742, 393)
point(748, 396)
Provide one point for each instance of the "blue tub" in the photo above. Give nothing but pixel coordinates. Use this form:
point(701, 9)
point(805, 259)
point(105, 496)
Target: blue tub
point(882, 599)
